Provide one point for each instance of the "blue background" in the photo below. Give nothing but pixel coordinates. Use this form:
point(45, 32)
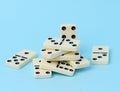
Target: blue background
point(25, 24)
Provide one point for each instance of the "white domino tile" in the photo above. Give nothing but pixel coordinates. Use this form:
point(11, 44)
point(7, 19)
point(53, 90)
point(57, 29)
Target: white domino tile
point(68, 56)
point(40, 72)
point(68, 31)
point(21, 59)
point(59, 67)
point(51, 54)
point(100, 55)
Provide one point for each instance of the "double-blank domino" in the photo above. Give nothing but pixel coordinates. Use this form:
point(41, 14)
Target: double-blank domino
point(40, 72)
point(21, 59)
point(100, 55)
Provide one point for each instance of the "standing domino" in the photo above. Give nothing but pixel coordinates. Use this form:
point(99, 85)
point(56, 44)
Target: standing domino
point(59, 67)
point(50, 54)
point(68, 31)
point(70, 45)
point(21, 59)
point(68, 56)
point(40, 72)
point(81, 63)
point(100, 55)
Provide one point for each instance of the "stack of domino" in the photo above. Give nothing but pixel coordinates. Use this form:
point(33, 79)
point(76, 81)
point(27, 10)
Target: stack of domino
point(60, 55)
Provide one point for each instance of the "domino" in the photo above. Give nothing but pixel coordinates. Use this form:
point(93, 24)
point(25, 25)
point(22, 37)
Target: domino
point(52, 43)
point(21, 59)
point(68, 56)
point(70, 45)
point(61, 67)
point(62, 44)
point(49, 54)
point(68, 31)
point(40, 72)
point(81, 63)
point(100, 55)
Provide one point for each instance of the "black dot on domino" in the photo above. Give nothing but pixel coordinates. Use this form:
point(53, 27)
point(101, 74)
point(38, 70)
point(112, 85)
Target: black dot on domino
point(73, 36)
point(67, 40)
point(76, 53)
point(68, 64)
point(26, 52)
point(104, 54)
point(63, 28)
point(100, 48)
point(73, 28)
point(52, 40)
point(37, 72)
point(14, 56)
point(99, 56)
point(49, 61)
point(36, 67)
point(70, 42)
point(47, 72)
point(94, 58)
point(56, 49)
point(61, 67)
point(15, 59)
point(77, 62)
point(9, 60)
point(56, 43)
point(63, 36)
point(22, 59)
point(71, 70)
point(66, 68)
point(49, 38)
point(81, 57)
point(43, 49)
point(49, 52)
point(74, 45)
point(17, 63)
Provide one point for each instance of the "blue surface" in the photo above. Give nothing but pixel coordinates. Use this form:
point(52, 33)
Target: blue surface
point(25, 24)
